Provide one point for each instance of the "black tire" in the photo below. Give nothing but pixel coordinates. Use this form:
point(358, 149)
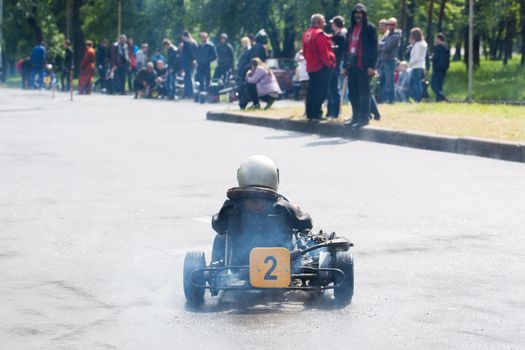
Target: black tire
point(345, 291)
point(192, 261)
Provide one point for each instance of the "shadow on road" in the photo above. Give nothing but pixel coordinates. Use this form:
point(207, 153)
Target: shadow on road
point(257, 302)
point(289, 135)
point(329, 142)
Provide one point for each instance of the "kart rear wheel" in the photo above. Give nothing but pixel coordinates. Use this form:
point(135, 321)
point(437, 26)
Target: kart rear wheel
point(345, 291)
point(192, 261)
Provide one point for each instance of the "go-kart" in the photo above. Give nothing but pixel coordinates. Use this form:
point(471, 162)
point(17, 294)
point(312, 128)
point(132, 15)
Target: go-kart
point(222, 89)
point(259, 252)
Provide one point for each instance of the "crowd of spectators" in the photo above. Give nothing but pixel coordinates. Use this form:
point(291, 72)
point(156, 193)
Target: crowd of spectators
point(349, 59)
point(331, 68)
point(124, 68)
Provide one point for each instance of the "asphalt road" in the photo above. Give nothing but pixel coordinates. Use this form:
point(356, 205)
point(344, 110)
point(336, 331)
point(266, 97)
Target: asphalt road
point(101, 197)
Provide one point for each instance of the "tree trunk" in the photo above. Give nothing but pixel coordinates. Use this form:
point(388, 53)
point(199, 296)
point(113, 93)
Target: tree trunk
point(31, 21)
point(403, 27)
point(270, 27)
point(78, 36)
point(274, 37)
point(337, 5)
point(476, 49)
point(484, 40)
point(181, 14)
point(465, 45)
point(330, 8)
point(510, 33)
point(522, 32)
point(411, 9)
point(289, 32)
point(477, 45)
point(441, 16)
point(498, 54)
point(430, 23)
point(457, 52)
point(492, 43)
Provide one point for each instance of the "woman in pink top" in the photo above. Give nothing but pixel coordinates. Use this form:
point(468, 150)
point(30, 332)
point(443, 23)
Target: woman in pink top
point(267, 86)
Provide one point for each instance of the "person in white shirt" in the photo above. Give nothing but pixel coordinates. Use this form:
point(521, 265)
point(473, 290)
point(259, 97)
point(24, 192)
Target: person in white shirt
point(142, 56)
point(418, 54)
point(301, 76)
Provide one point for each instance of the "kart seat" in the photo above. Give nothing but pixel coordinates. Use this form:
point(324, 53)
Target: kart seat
point(257, 223)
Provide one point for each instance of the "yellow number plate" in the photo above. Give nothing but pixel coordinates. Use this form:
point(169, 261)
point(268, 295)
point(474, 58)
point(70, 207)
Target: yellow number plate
point(270, 268)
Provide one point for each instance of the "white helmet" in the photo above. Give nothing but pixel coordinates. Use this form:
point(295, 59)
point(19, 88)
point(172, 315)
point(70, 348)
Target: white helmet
point(259, 171)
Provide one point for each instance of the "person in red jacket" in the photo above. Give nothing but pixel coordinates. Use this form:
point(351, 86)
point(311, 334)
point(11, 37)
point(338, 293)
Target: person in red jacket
point(87, 69)
point(317, 51)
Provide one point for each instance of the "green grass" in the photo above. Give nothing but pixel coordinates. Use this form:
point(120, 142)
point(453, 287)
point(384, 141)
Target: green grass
point(499, 122)
point(13, 81)
point(492, 81)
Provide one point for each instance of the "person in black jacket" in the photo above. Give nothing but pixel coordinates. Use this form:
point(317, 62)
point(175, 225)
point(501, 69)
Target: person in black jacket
point(338, 46)
point(360, 60)
point(145, 80)
point(189, 48)
point(102, 62)
point(67, 67)
point(174, 66)
point(225, 58)
point(258, 49)
point(243, 66)
point(119, 57)
point(206, 54)
point(440, 63)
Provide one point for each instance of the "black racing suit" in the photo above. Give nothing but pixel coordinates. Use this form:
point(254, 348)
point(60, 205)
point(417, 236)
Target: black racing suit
point(268, 204)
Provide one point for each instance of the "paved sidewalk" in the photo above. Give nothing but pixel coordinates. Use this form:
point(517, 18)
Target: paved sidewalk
point(510, 151)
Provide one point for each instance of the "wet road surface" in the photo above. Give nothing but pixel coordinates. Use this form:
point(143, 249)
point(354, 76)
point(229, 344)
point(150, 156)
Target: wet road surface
point(101, 197)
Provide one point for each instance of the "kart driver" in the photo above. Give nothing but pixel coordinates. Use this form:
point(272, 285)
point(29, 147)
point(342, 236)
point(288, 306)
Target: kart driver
point(258, 178)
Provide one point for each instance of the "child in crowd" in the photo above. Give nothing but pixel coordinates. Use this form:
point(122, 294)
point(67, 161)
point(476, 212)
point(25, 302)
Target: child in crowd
point(50, 77)
point(403, 83)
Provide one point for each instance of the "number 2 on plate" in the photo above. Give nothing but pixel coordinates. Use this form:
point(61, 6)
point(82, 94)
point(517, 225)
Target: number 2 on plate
point(273, 261)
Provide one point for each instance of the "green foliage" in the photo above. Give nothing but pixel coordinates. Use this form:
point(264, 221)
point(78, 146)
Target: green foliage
point(499, 23)
point(492, 81)
point(99, 20)
point(29, 21)
point(53, 37)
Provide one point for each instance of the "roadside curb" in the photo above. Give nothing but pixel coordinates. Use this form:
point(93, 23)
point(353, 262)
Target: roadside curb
point(510, 151)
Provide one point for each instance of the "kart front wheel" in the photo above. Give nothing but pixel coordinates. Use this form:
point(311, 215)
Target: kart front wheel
point(345, 291)
point(193, 281)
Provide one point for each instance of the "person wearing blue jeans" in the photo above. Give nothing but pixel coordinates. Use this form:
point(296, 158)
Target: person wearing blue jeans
point(388, 52)
point(189, 48)
point(174, 66)
point(440, 64)
point(205, 55)
point(171, 85)
point(418, 55)
point(338, 46)
point(38, 64)
point(386, 70)
point(416, 87)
